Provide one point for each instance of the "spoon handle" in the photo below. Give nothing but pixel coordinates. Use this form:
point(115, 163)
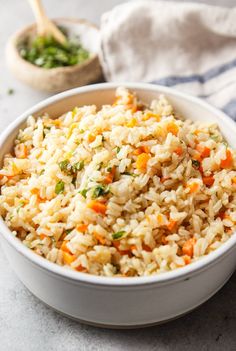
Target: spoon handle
point(44, 25)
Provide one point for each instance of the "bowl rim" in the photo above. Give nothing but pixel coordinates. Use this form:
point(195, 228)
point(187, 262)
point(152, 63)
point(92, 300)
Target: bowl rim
point(62, 271)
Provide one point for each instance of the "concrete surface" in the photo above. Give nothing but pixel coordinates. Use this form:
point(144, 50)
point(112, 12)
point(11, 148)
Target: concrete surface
point(25, 323)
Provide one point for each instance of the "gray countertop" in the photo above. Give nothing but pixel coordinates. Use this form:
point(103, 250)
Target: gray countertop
point(27, 324)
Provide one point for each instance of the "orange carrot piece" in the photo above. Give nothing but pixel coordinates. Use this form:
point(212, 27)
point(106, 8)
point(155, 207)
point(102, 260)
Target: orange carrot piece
point(163, 240)
point(188, 247)
point(179, 150)
point(193, 187)
point(171, 225)
point(131, 123)
point(97, 207)
point(42, 236)
point(82, 228)
point(133, 247)
point(203, 150)
point(160, 218)
point(142, 161)
point(228, 161)
point(187, 259)
point(209, 181)
point(150, 114)
point(146, 248)
point(80, 268)
point(91, 137)
point(68, 258)
point(64, 247)
point(110, 176)
point(172, 128)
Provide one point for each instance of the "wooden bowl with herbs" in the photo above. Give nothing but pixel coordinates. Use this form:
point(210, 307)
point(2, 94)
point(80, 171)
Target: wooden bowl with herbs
point(47, 65)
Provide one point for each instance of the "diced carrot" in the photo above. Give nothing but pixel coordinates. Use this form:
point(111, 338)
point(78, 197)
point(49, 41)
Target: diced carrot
point(172, 128)
point(203, 150)
point(64, 247)
point(193, 187)
point(142, 161)
point(97, 206)
point(133, 247)
point(91, 137)
point(150, 114)
point(209, 181)
point(68, 258)
point(116, 244)
point(80, 268)
point(160, 218)
point(163, 240)
point(82, 228)
point(228, 161)
point(234, 180)
point(131, 123)
point(187, 259)
point(221, 214)
point(99, 238)
point(171, 225)
point(196, 132)
point(125, 252)
point(141, 149)
point(179, 150)
point(43, 236)
point(110, 176)
point(146, 248)
point(188, 247)
point(21, 151)
point(34, 191)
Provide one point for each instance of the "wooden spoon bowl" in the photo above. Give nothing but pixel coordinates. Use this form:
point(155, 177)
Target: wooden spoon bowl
point(61, 78)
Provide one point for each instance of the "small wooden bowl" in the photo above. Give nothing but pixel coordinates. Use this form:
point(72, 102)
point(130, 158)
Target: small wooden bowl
point(54, 80)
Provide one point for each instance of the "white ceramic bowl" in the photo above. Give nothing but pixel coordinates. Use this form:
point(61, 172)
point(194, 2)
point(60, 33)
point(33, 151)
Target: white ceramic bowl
point(120, 302)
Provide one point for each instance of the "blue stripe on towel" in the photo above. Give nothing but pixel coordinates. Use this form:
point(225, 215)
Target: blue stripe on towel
point(200, 78)
point(230, 109)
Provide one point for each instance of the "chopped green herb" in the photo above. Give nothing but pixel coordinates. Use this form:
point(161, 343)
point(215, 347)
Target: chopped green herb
point(78, 166)
point(64, 165)
point(68, 231)
point(47, 53)
point(59, 188)
point(10, 91)
point(83, 192)
point(109, 169)
point(74, 180)
point(100, 166)
point(225, 143)
point(195, 163)
point(103, 138)
point(215, 137)
point(21, 204)
point(42, 172)
point(117, 149)
point(118, 235)
point(100, 190)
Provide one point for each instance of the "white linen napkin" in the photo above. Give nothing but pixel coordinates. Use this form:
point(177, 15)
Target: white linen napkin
point(189, 46)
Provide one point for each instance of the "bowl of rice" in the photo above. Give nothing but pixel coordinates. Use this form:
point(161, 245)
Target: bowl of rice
point(118, 202)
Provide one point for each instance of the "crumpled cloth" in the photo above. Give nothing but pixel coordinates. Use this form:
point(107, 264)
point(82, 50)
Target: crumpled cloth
point(188, 46)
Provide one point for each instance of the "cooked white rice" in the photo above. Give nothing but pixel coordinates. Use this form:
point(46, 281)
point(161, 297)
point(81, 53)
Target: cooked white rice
point(127, 190)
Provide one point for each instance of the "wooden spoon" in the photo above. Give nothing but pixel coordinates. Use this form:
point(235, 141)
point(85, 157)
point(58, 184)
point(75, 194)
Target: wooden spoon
point(45, 27)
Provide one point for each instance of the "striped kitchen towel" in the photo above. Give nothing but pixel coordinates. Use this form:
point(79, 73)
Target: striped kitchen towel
point(188, 46)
